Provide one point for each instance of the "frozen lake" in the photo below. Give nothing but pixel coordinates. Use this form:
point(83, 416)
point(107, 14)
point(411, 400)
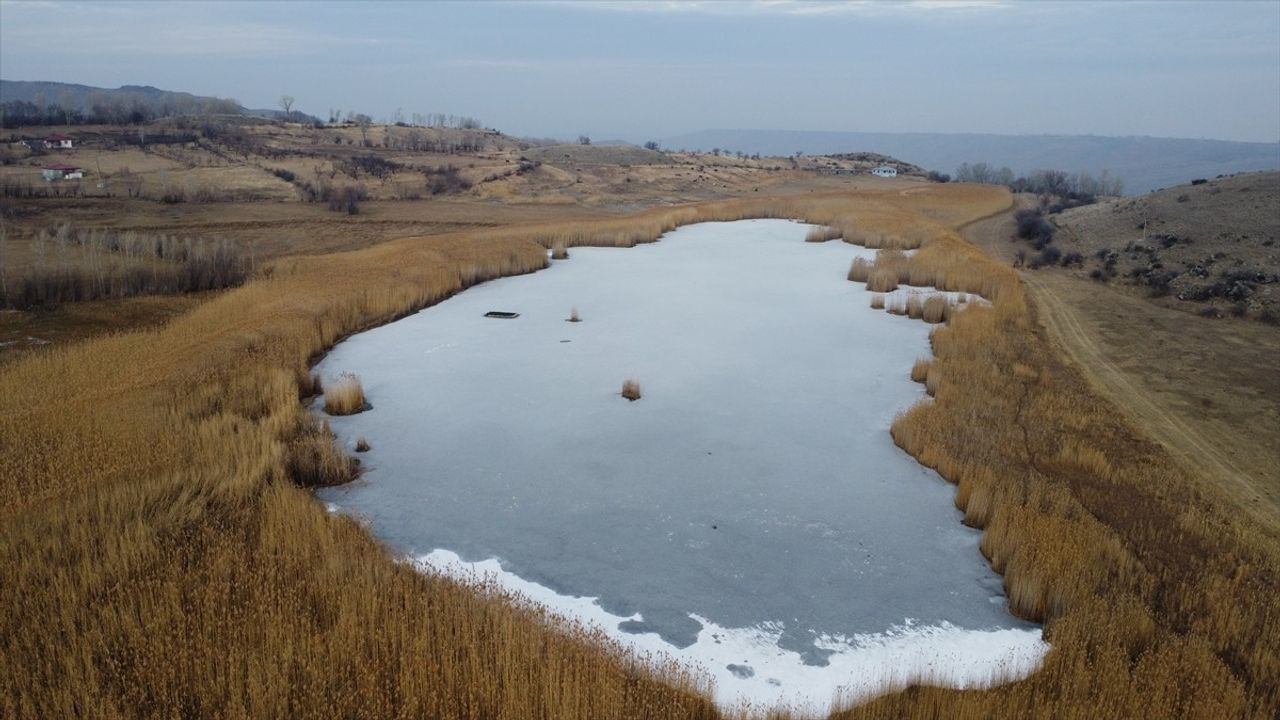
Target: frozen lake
point(749, 514)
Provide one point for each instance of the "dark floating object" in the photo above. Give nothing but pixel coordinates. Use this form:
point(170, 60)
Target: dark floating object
point(502, 314)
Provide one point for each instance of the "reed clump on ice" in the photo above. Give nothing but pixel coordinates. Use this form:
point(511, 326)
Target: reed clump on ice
point(156, 524)
point(823, 234)
point(344, 395)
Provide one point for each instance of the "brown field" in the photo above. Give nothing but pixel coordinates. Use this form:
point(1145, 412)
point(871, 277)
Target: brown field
point(226, 176)
point(160, 554)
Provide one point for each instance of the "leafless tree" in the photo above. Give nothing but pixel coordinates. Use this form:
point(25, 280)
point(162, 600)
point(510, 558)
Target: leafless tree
point(364, 121)
point(286, 103)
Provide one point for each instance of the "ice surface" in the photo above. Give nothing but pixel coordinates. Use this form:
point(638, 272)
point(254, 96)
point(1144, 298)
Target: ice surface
point(750, 510)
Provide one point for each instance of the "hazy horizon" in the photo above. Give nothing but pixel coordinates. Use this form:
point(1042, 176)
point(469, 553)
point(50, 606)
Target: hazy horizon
point(653, 70)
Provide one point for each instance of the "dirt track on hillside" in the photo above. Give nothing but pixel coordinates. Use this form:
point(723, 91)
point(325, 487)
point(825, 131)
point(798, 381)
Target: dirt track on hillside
point(1175, 375)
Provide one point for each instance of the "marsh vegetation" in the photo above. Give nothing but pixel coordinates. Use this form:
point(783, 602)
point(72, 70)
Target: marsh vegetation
point(151, 494)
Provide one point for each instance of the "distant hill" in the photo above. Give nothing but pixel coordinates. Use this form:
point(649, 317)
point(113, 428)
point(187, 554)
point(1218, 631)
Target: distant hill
point(83, 98)
point(1144, 163)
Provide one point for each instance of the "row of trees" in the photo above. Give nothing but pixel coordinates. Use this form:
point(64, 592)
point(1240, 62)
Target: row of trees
point(103, 109)
point(1059, 183)
point(433, 120)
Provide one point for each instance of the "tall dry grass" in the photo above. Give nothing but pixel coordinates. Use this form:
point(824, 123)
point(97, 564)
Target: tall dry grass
point(936, 309)
point(158, 557)
point(859, 269)
point(881, 280)
point(823, 234)
point(920, 370)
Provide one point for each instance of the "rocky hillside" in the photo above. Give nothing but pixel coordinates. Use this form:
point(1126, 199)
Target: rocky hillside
point(1212, 246)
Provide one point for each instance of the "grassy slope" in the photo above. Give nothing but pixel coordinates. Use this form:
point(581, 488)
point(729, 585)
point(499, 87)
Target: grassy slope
point(156, 559)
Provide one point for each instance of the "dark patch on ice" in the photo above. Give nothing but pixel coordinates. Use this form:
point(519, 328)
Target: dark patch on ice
point(503, 314)
point(675, 628)
point(810, 654)
point(741, 671)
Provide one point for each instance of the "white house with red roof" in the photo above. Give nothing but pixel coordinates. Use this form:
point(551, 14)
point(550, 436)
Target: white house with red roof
point(62, 171)
point(59, 141)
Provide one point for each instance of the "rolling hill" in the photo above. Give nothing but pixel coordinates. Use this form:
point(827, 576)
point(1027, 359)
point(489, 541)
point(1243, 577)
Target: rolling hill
point(1144, 163)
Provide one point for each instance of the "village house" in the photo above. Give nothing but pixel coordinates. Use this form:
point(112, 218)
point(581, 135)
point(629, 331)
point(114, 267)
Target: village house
point(884, 171)
point(58, 141)
point(60, 171)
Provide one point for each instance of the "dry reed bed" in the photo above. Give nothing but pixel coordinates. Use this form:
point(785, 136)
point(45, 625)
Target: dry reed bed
point(1158, 600)
point(158, 558)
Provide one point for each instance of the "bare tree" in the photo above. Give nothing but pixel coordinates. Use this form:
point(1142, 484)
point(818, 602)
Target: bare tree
point(286, 103)
point(364, 121)
point(584, 140)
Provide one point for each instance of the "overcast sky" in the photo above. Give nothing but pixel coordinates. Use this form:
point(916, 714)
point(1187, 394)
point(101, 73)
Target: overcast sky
point(637, 71)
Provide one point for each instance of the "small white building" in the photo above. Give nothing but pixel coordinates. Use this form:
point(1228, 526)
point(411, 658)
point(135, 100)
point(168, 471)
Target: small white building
point(58, 141)
point(59, 171)
point(884, 171)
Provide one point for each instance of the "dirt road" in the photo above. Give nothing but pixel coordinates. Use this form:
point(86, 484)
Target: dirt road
point(1207, 390)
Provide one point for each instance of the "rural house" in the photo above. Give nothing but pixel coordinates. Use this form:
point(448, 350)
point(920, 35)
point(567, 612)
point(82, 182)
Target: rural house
point(59, 171)
point(58, 140)
point(884, 171)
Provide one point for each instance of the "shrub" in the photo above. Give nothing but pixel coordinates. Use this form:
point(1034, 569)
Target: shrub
point(1159, 282)
point(573, 315)
point(558, 251)
point(877, 302)
point(173, 194)
point(344, 396)
point(446, 179)
point(362, 445)
point(1033, 227)
point(285, 175)
point(374, 165)
point(1073, 259)
point(347, 199)
point(631, 389)
point(1050, 255)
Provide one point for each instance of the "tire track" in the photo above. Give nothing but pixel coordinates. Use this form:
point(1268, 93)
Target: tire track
point(1183, 442)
